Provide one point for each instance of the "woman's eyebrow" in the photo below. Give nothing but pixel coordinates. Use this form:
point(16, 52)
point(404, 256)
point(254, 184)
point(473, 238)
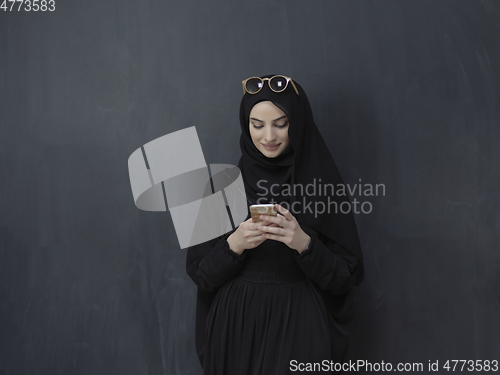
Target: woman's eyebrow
point(280, 118)
point(256, 119)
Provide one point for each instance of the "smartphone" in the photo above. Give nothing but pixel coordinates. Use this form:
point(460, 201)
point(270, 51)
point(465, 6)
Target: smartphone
point(262, 209)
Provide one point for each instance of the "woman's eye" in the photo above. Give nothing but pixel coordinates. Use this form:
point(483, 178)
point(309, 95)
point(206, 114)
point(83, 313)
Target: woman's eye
point(277, 125)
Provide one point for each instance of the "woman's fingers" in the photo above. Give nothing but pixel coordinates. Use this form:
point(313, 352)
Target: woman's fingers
point(278, 220)
point(251, 228)
point(282, 210)
point(269, 229)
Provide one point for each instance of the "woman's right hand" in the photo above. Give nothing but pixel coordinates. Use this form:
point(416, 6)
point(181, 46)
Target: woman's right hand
point(247, 236)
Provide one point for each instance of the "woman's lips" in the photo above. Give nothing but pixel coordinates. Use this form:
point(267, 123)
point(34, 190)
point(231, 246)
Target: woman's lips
point(271, 148)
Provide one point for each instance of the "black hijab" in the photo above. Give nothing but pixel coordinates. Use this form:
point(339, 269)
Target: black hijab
point(305, 159)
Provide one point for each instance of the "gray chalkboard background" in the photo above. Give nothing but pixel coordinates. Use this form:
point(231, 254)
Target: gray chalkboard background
point(405, 93)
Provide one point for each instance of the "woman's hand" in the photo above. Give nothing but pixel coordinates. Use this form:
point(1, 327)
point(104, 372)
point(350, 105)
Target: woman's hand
point(247, 236)
point(287, 230)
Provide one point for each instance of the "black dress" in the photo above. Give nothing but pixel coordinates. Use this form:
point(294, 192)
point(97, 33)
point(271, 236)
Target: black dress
point(272, 308)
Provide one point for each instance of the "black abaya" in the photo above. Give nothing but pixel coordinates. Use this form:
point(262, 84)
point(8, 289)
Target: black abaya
point(258, 311)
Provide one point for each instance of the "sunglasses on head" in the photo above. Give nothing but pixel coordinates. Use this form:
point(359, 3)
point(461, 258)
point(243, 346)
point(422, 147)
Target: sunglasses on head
point(253, 85)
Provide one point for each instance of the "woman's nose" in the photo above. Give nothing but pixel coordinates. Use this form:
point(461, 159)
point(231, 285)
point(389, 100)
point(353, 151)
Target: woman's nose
point(269, 137)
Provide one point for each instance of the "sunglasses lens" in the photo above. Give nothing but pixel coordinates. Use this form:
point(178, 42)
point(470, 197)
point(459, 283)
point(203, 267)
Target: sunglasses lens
point(278, 83)
point(253, 85)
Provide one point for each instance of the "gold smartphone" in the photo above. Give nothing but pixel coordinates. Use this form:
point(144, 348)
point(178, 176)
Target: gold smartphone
point(262, 209)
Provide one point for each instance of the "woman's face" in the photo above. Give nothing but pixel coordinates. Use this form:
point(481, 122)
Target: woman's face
point(268, 129)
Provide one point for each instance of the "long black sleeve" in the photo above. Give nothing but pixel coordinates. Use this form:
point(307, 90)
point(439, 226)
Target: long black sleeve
point(329, 265)
point(212, 263)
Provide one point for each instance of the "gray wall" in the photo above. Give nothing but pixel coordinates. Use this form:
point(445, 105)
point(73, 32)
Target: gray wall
point(405, 94)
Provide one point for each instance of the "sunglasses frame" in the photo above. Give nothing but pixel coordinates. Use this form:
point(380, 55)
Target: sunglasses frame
point(288, 79)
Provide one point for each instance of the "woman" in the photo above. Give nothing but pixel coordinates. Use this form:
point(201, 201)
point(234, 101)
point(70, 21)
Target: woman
point(276, 295)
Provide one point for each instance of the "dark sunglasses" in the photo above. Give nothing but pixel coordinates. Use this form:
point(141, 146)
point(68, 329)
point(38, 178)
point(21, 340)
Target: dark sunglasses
point(253, 85)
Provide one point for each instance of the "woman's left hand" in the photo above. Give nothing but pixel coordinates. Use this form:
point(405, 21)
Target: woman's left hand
point(288, 230)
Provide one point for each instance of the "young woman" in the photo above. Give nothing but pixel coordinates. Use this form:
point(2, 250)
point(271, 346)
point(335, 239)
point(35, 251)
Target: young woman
point(276, 295)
